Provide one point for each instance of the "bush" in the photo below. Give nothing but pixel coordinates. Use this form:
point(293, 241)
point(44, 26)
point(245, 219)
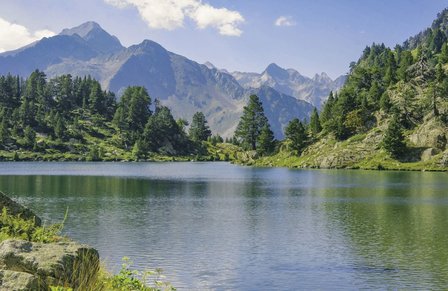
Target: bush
point(16, 227)
point(128, 279)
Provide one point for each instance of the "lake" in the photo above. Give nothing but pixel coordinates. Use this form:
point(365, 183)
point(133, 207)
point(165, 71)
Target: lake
point(225, 227)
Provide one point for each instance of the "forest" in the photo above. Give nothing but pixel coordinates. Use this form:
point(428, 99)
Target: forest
point(73, 118)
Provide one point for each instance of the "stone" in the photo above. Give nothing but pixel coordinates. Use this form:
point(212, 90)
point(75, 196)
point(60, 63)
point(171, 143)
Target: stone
point(444, 160)
point(15, 209)
point(430, 135)
point(18, 281)
point(428, 154)
point(62, 263)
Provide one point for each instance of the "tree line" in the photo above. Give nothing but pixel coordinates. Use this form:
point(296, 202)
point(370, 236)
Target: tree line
point(64, 110)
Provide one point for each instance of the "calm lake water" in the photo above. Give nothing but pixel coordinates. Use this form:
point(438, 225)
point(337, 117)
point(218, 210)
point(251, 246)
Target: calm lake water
point(219, 226)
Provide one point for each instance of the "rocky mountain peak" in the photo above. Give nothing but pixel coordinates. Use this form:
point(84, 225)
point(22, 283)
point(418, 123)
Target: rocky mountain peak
point(276, 71)
point(97, 38)
point(83, 30)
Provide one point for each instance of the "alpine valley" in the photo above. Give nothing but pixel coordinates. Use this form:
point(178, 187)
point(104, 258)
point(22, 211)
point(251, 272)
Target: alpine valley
point(181, 84)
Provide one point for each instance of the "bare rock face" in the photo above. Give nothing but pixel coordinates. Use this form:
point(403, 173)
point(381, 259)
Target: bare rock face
point(430, 135)
point(15, 209)
point(428, 154)
point(18, 281)
point(30, 266)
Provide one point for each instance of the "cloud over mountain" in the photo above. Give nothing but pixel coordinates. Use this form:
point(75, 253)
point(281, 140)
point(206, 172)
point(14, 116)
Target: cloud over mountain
point(171, 14)
point(14, 35)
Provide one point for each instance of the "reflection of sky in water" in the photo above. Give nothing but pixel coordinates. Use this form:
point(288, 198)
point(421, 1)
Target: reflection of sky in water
point(214, 225)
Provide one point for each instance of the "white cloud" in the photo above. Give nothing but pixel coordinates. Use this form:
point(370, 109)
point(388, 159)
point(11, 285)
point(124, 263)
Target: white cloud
point(285, 21)
point(171, 14)
point(13, 36)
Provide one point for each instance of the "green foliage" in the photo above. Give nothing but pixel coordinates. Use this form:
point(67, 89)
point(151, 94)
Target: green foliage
point(29, 137)
point(137, 150)
point(4, 132)
point(199, 130)
point(315, 126)
point(393, 141)
point(162, 134)
point(128, 279)
point(16, 227)
point(251, 123)
point(94, 154)
point(265, 141)
point(72, 118)
point(296, 133)
point(133, 110)
point(215, 139)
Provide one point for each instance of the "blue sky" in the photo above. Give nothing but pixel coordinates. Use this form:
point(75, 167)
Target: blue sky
point(314, 36)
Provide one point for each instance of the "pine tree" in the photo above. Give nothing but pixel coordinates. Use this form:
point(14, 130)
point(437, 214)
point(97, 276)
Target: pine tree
point(251, 123)
point(393, 141)
point(137, 150)
point(296, 133)
point(265, 141)
point(199, 130)
point(29, 137)
point(3, 130)
point(315, 126)
point(59, 128)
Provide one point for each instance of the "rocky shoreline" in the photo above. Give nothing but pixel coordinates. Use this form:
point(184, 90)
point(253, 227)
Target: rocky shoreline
point(26, 265)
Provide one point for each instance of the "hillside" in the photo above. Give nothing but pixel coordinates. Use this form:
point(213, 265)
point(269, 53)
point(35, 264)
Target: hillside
point(392, 112)
point(183, 85)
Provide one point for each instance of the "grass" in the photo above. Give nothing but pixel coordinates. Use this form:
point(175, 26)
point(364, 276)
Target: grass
point(85, 274)
point(16, 227)
point(361, 151)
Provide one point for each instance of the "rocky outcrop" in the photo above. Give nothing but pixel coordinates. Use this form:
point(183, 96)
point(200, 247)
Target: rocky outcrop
point(26, 265)
point(15, 209)
point(30, 266)
point(431, 134)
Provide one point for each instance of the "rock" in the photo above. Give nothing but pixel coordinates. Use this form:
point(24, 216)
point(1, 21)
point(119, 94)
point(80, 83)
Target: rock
point(15, 209)
point(444, 160)
point(428, 154)
point(62, 263)
point(18, 281)
point(430, 135)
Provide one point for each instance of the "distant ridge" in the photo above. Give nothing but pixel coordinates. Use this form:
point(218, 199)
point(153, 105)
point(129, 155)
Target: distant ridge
point(178, 82)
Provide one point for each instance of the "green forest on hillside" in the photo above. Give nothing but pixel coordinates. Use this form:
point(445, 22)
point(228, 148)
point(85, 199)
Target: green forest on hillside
point(69, 118)
point(392, 112)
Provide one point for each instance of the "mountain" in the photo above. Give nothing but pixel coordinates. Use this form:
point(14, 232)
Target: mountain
point(178, 82)
point(96, 37)
point(288, 81)
point(391, 113)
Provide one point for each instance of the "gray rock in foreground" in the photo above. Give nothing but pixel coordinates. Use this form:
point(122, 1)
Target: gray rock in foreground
point(35, 266)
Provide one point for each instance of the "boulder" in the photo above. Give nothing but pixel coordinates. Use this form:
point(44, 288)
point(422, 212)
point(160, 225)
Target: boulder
point(444, 160)
point(63, 263)
point(18, 281)
point(15, 209)
point(428, 154)
point(431, 134)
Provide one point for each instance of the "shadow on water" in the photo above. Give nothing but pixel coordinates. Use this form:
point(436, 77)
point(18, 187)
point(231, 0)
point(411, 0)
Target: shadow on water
point(394, 222)
point(218, 226)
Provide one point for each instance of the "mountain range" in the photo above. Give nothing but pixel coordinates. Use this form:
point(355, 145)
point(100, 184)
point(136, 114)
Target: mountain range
point(178, 82)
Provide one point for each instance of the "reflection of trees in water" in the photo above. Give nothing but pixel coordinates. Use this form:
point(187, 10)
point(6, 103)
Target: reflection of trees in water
point(398, 223)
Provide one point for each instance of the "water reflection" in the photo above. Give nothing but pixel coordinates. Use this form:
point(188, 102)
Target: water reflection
point(220, 226)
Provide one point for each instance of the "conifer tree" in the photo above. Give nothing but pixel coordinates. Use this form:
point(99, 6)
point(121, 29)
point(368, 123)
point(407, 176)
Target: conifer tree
point(296, 133)
point(315, 126)
point(265, 141)
point(199, 130)
point(251, 123)
point(393, 141)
